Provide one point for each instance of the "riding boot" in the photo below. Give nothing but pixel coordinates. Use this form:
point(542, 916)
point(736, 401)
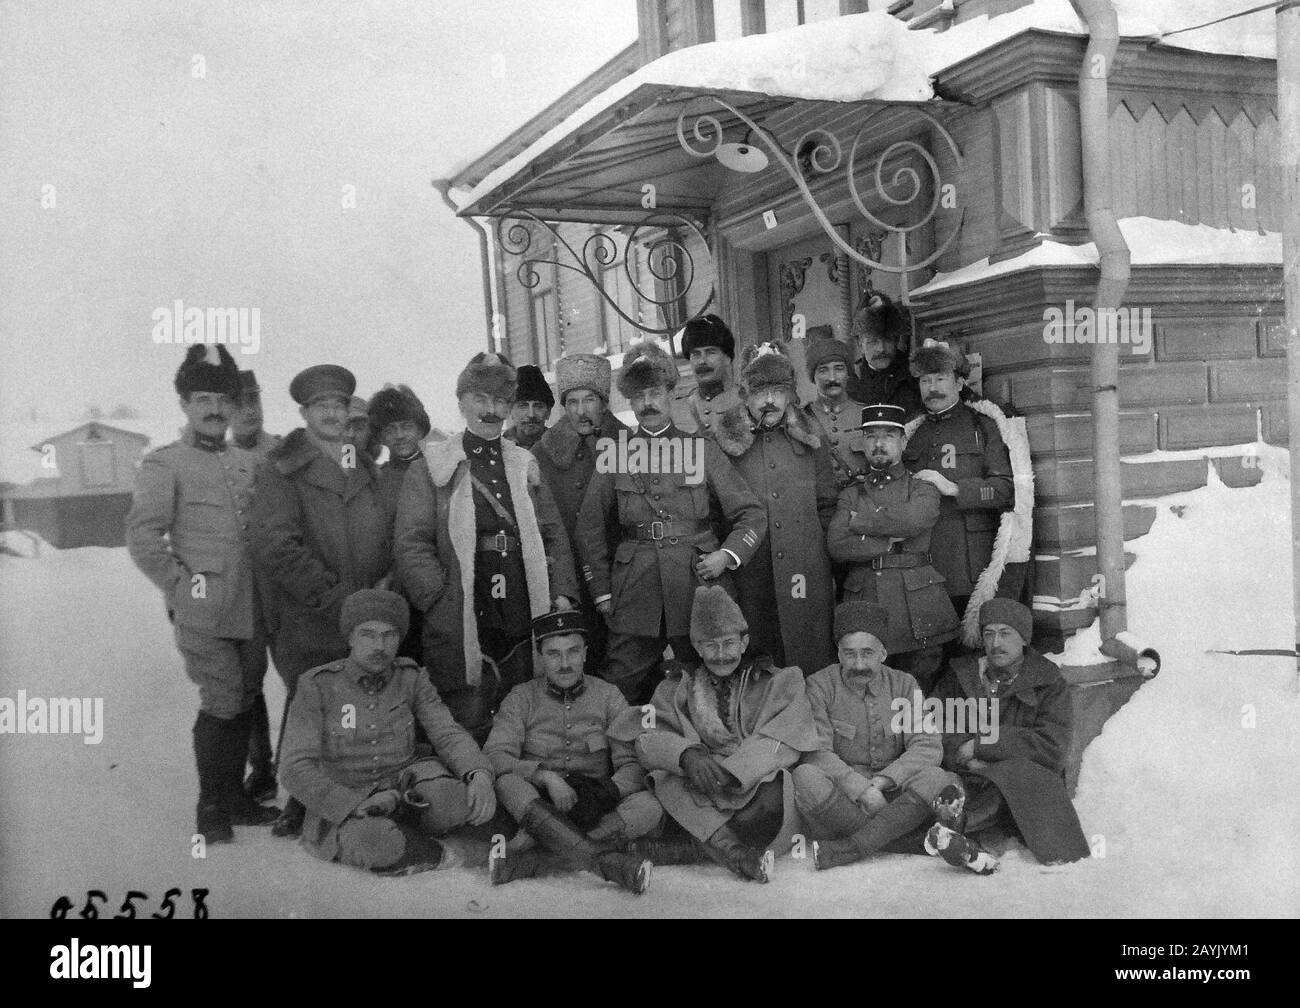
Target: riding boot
point(837, 817)
point(557, 834)
point(260, 785)
point(902, 815)
point(212, 820)
point(750, 863)
point(242, 809)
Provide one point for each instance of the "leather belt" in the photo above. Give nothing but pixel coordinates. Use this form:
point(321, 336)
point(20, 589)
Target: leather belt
point(656, 530)
point(499, 543)
point(890, 560)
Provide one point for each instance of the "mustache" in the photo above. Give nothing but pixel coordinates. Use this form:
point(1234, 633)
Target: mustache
point(934, 395)
point(490, 418)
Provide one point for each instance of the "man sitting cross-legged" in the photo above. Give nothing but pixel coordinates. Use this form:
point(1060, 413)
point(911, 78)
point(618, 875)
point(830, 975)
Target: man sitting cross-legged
point(549, 736)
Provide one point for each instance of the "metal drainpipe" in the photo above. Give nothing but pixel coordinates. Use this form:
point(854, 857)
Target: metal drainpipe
point(443, 188)
point(1113, 258)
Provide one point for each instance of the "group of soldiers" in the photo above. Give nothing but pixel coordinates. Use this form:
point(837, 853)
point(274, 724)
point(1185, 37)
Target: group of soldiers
point(519, 640)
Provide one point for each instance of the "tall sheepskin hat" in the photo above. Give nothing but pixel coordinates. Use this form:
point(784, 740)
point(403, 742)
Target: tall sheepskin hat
point(644, 366)
point(828, 348)
point(861, 617)
point(935, 357)
point(708, 331)
point(208, 367)
point(583, 371)
point(530, 386)
point(763, 367)
point(397, 402)
point(715, 614)
point(489, 373)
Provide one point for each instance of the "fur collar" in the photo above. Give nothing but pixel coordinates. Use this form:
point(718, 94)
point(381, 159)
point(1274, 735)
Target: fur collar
point(297, 451)
point(445, 452)
point(560, 442)
point(735, 430)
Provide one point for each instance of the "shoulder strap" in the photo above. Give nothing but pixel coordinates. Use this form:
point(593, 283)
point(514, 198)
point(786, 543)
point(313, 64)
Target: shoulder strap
point(493, 503)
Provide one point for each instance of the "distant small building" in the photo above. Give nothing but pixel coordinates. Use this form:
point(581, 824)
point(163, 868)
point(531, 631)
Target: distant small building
point(84, 499)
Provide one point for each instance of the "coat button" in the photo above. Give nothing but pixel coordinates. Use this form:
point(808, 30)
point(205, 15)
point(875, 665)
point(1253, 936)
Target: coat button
point(775, 495)
point(780, 556)
point(374, 741)
point(776, 524)
point(771, 465)
point(372, 727)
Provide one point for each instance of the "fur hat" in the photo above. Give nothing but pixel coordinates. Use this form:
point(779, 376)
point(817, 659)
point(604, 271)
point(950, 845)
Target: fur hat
point(878, 314)
point(489, 373)
point(644, 366)
point(374, 604)
point(393, 403)
point(820, 351)
point(715, 614)
point(583, 371)
point(934, 357)
point(861, 617)
point(530, 386)
point(208, 367)
point(708, 331)
point(763, 367)
point(248, 387)
point(1009, 612)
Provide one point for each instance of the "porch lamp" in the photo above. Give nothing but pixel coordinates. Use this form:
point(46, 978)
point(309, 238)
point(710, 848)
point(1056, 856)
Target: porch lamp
point(742, 157)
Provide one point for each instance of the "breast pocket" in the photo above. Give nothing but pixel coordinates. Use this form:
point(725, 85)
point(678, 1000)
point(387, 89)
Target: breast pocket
point(844, 729)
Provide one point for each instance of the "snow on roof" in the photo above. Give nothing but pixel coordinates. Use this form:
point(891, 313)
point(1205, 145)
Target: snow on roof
point(875, 56)
point(1151, 243)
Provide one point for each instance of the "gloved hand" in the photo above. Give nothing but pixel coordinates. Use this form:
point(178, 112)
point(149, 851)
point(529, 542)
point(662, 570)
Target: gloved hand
point(705, 773)
point(872, 800)
point(381, 803)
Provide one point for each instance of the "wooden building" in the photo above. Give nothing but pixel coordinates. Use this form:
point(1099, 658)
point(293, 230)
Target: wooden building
point(992, 245)
point(85, 496)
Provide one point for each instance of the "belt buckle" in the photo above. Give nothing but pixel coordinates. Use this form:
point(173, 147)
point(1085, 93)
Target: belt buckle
point(656, 527)
point(878, 563)
point(501, 543)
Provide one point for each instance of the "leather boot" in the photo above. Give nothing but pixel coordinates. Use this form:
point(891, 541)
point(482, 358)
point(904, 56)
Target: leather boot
point(242, 809)
point(554, 832)
point(290, 822)
point(902, 815)
point(522, 864)
point(726, 849)
point(611, 836)
point(211, 819)
point(838, 816)
point(260, 784)
point(669, 852)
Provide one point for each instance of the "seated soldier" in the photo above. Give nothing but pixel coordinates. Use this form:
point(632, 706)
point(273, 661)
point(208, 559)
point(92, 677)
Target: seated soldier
point(1016, 782)
point(373, 799)
point(549, 736)
point(872, 784)
point(717, 744)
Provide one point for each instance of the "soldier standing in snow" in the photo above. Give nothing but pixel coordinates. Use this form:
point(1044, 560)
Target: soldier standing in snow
point(481, 550)
point(350, 752)
point(246, 432)
point(785, 590)
point(881, 533)
point(550, 736)
point(186, 531)
point(320, 531)
point(669, 544)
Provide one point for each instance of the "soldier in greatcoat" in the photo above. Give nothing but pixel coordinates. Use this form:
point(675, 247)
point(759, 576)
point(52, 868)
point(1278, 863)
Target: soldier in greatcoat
point(785, 590)
point(481, 550)
point(718, 743)
point(187, 531)
point(374, 798)
point(874, 783)
point(668, 542)
point(710, 348)
point(881, 530)
point(569, 786)
point(958, 447)
point(1016, 782)
point(566, 455)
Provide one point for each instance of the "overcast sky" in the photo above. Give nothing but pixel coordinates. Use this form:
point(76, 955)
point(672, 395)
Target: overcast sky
point(226, 189)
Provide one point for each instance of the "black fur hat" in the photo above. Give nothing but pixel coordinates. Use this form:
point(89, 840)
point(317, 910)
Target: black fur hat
point(530, 386)
point(706, 331)
point(208, 367)
point(397, 402)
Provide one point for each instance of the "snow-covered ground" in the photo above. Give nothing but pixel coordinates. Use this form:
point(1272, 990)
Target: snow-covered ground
point(1188, 792)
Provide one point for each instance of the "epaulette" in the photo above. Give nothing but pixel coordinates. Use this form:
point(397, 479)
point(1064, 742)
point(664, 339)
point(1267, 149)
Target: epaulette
point(401, 661)
point(334, 666)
